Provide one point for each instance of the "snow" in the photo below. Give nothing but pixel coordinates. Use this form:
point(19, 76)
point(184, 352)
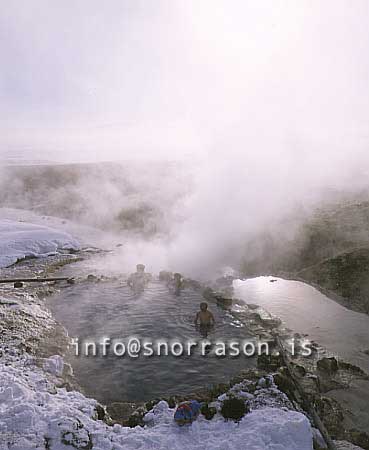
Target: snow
point(263, 429)
point(19, 240)
point(34, 411)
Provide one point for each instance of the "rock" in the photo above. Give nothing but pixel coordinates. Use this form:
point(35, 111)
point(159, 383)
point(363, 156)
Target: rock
point(342, 365)
point(267, 319)
point(100, 412)
point(121, 411)
point(331, 414)
point(299, 370)
point(171, 402)
point(285, 384)
point(310, 384)
point(269, 362)
point(252, 306)
point(344, 445)
point(136, 419)
point(223, 302)
point(359, 438)
point(208, 411)
point(91, 277)
point(18, 284)
point(328, 365)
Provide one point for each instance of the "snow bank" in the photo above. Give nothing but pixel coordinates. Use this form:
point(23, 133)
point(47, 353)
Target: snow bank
point(263, 429)
point(19, 240)
point(34, 412)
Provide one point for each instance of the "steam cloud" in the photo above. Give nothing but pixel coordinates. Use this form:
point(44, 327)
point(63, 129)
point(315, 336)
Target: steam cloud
point(263, 106)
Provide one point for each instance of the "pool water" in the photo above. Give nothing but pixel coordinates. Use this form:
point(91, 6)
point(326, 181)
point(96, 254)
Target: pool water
point(92, 311)
point(343, 332)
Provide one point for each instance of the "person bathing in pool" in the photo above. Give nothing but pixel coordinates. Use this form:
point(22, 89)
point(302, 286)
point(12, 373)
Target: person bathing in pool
point(204, 317)
point(138, 280)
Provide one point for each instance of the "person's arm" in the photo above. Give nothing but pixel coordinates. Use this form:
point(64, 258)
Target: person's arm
point(196, 318)
point(212, 318)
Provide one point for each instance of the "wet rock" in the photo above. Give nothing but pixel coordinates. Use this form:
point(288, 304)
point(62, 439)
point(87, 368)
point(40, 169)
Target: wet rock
point(100, 412)
point(91, 277)
point(218, 389)
point(136, 419)
point(328, 365)
point(252, 306)
point(299, 370)
point(359, 438)
point(285, 384)
point(18, 284)
point(265, 318)
point(121, 411)
point(269, 362)
point(171, 402)
point(342, 365)
point(267, 338)
point(328, 384)
point(331, 414)
point(310, 384)
point(223, 302)
point(344, 445)
point(208, 411)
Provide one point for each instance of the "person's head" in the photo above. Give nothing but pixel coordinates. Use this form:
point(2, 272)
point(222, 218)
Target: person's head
point(177, 276)
point(203, 306)
point(140, 268)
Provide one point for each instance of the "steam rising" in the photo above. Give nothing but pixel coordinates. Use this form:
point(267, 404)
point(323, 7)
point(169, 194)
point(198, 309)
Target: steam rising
point(263, 106)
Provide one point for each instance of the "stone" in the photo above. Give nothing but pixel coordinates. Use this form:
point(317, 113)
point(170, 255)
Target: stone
point(121, 411)
point(328, 365)
point(344, 445)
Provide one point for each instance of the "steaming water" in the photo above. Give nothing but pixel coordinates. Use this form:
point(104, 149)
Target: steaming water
point(91, 311)
point(305, 310)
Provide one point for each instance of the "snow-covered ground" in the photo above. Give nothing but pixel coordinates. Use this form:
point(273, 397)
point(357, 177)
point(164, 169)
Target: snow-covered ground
point(34, 412)
point(19, 240)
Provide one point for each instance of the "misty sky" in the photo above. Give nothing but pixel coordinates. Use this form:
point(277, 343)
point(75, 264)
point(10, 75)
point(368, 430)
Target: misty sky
point(167, 79)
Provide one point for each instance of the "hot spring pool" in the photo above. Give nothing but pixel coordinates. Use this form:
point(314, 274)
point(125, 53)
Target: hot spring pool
point(91, 311)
